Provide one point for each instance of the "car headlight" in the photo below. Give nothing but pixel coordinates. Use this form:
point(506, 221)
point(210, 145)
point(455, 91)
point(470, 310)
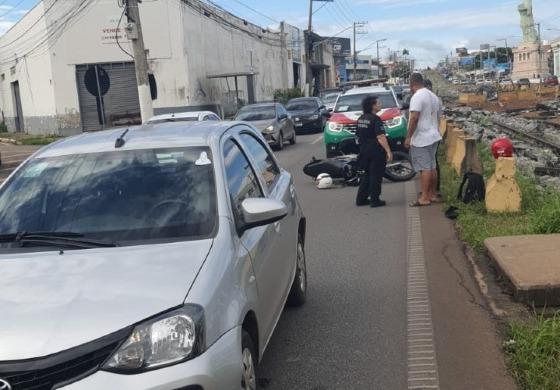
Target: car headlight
point(170, 338)
point(269, 129)
point(314, 117)
point(394, 122)
point(335, 127)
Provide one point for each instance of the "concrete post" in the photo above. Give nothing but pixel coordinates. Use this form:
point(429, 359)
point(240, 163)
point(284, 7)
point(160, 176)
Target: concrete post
point(502, 192)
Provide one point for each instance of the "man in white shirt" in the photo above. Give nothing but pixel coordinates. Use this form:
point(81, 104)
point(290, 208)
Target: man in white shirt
point(423, 138)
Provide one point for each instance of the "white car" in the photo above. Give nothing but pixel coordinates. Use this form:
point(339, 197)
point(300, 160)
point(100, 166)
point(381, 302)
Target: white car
point(193, 116)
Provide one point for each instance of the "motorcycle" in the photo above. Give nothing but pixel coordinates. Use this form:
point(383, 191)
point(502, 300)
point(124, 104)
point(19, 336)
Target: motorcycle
point(345, 166)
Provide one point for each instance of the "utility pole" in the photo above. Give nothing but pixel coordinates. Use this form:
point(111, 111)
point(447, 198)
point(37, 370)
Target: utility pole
point(357, 24)
point(540, 50)
point(309, 48)
point(134, 30)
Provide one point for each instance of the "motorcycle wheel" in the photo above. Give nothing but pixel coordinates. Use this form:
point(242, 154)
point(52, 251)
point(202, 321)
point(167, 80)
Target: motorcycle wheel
point(402, 172)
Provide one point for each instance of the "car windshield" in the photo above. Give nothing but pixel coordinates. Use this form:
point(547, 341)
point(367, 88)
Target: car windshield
point(256, 113)
point(183, 119)
point(120, 196)
point(302, 105)
point(354, 102)
point(330, 98)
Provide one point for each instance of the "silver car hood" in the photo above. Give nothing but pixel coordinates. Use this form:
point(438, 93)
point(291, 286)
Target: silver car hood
point(50, 302)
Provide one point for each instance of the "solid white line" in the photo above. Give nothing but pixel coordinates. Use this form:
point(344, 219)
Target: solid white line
point(317, 140)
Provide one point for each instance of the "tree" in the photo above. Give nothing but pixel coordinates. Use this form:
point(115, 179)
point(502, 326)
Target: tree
point(402, 69)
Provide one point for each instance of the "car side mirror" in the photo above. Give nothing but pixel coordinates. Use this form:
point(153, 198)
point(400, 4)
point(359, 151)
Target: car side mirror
point(261, 211)
point(405, 106)
point(322, 107)
point(283, 116)
point(326, 114)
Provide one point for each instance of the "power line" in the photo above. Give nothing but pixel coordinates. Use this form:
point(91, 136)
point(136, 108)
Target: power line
point(117, 34)
point(343, 13)
point(12, 9)
point(256, 11)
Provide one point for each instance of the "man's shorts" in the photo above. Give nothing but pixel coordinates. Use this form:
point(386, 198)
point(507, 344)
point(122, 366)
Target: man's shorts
point(424, 158)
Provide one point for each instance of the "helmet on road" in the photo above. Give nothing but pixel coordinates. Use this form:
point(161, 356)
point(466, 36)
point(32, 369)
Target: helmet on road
point(324, 181)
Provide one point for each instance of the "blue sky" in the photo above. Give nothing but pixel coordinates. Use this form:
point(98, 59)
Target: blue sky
point(429, 29)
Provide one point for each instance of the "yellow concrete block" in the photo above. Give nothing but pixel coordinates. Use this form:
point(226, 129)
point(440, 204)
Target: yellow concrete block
point(443, 126)
point(505, 167)
point(459, 153)
point(502, 192)
point(451, 143)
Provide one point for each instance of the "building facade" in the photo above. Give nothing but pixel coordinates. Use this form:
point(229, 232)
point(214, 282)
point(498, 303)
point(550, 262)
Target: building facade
point(66, 66)
point(555, 45)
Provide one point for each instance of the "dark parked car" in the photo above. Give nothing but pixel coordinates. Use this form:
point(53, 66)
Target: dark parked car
point(524, 82)
point(272, 120)
point(551, 80)
point(308, 113)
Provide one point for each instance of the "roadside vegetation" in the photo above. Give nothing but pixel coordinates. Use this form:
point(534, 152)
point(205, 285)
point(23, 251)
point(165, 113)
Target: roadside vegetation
point(533, 352)
point(533, 347)
point(540, 207)
point(284, 95)
point(25, 139)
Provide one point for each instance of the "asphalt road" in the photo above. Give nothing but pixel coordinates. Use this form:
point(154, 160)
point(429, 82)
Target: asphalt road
point(351, 333)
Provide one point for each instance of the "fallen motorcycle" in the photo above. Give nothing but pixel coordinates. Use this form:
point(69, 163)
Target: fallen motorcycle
point(345, 167)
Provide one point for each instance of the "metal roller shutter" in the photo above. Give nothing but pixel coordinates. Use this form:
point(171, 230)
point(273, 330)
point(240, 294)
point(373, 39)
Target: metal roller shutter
point(121, 106)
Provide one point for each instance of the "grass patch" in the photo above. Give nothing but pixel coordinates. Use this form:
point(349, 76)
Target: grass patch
point(534, 353)
point(38, 140)
point(540, 209)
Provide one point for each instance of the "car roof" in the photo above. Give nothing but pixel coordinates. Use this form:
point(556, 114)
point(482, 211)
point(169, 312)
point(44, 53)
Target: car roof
point(259, 105)
point(299, 99)
point(179, 115)
point(160, 135)
point(358, 91)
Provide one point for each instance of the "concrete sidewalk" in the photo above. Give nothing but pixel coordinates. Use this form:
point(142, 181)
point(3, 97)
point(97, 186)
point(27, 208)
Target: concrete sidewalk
point(467, 341)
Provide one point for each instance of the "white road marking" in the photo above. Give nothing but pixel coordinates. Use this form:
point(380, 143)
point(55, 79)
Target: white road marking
point(317, 140)
point(422, 362)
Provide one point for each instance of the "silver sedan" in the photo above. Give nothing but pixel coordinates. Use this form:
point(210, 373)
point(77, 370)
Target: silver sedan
point(153, 258)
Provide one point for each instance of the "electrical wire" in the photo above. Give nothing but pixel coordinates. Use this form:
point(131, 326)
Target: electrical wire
point(15, 7)
point(30, 27)
point(256, 11)
point(117, 34)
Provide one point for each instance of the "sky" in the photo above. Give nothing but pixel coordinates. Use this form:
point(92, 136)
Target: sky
point(428, 29)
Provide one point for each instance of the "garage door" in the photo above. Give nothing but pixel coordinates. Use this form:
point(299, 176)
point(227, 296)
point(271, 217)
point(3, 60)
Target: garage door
point(108, 95)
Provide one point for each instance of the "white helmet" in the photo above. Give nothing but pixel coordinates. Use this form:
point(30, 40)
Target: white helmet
point(324, 181)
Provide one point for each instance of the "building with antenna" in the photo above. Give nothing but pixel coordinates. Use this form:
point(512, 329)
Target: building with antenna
point(65, 67)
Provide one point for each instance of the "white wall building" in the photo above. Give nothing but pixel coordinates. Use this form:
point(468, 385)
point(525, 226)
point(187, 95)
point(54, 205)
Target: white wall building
point(556, 56)
point(54, 62)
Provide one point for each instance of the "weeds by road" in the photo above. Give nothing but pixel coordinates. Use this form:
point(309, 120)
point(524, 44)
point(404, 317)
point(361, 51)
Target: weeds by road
point(28, 139)
point(540, 208)
point(534, 353)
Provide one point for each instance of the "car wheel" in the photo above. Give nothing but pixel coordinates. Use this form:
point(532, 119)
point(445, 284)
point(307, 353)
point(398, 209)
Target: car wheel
point(280, 143)
point(298, 292)
point(248, 357)
point(293, 139)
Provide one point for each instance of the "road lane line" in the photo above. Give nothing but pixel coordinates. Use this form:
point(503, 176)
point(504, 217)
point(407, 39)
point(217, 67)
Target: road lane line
point(317, 140)
point(420, 334)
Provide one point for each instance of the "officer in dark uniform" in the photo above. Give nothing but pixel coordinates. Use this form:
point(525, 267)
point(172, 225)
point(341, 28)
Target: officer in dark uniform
point(374, 153)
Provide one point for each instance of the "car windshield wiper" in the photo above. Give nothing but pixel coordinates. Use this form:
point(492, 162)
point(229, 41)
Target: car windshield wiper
point(67, 239)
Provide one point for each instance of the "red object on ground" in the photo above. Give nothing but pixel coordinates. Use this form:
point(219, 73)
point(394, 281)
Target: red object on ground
point(502, 147)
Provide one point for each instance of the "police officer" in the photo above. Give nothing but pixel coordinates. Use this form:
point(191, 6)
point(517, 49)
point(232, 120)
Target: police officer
point(374, 153)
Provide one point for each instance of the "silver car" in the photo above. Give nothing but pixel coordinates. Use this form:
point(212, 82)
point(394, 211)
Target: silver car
point(151, 258)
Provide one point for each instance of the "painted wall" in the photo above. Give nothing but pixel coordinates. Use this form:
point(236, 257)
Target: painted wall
point(25, 59)
point(184, 47)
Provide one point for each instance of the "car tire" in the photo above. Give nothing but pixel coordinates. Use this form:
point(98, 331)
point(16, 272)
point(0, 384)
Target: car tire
point(249, 363)
point(298, 292)
point(280, 143)
point(293, 139)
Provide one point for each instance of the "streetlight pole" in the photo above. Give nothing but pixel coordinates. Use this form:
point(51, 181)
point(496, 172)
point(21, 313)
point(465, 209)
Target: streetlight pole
point(308, 47)
point(377, 44)
point(356, 24)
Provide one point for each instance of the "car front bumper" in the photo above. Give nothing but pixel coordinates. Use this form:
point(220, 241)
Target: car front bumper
point(218, 368)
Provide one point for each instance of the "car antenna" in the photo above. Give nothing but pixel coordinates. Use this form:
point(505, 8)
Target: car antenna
point(119, 142)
